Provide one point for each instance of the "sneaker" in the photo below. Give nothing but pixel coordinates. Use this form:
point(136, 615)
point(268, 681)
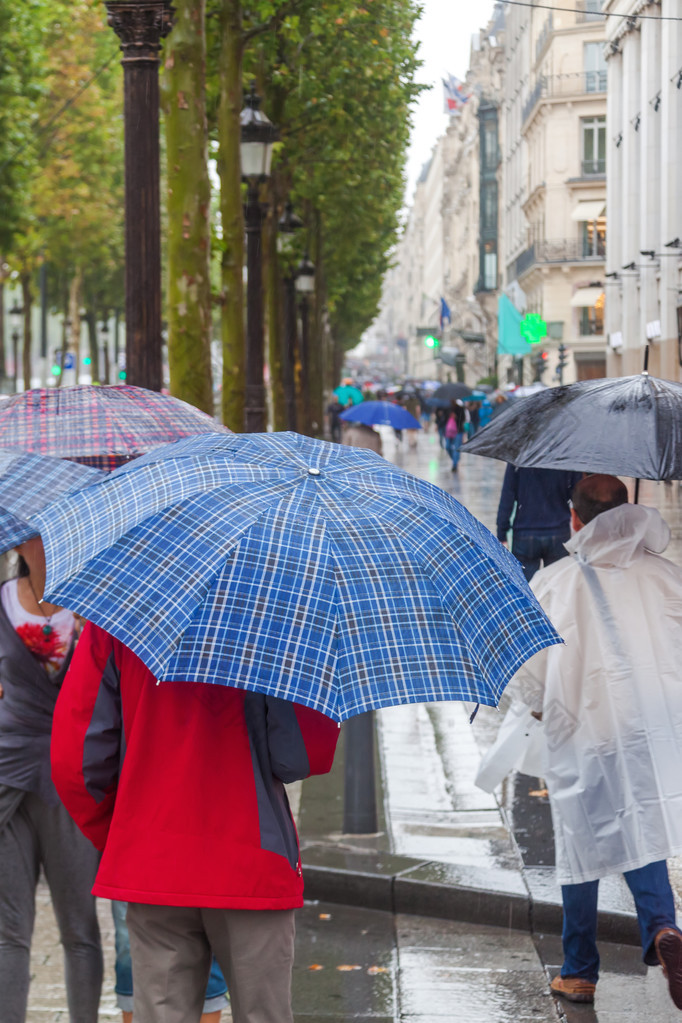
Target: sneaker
point(668, 945)
point(573, 989)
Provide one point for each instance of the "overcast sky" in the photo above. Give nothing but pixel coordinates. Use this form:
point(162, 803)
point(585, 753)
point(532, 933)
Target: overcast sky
point(444, 32)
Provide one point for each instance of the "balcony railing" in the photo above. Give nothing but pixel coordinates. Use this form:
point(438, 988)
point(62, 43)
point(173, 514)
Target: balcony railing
point(556, 86)
point(590, 167)
point(558, 250)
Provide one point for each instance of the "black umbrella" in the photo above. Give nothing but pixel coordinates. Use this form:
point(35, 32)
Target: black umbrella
point(451, 392)
point(625, 426)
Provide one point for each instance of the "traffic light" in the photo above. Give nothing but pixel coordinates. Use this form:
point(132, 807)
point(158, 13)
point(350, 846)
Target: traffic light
point(431, 341)
point(87, 361)
point(561, 363)
point(539, 364)
point(121, 374)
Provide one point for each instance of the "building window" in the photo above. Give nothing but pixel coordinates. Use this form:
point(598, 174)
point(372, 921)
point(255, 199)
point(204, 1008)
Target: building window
point(593, 131)
point(589, 10)
point(489, 212)
point(591, 320)
point(595, 67)
point(490, 148)
point(489, 266)
point(594, 238)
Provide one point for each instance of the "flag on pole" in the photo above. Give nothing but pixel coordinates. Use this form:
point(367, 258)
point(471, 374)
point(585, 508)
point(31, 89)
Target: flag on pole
point(455, 94)
point(444, 313)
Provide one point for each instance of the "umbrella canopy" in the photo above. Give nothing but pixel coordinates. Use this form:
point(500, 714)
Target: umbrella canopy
point(347, 392)
point(310, 571)
point(27, 484)
point(381, 413)
point(625, 426)
point(451, 392)
point(99, 426)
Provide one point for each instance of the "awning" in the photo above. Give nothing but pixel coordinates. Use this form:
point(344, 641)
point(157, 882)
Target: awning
point(589, 209)
point(586, 297)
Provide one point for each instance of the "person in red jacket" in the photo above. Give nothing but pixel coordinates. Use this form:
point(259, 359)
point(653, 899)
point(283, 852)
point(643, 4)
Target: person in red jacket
point(181, 786)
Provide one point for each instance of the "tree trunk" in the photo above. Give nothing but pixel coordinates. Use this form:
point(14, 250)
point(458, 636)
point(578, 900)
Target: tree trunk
point(315, 381)
point(188, 201)
point(232, 216)
point(3, 364)
point(27, 302)
point(91, 323)
point(75, 319)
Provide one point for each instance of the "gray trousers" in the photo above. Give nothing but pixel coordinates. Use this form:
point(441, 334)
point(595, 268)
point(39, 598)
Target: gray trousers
point(39, 834)
point(171, 952)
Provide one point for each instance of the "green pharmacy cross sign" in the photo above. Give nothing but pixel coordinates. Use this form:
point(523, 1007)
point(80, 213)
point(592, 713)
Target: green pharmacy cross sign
point(533, 328)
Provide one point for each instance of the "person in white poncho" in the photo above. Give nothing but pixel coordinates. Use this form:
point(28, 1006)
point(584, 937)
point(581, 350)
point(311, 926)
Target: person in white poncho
point(611, 705)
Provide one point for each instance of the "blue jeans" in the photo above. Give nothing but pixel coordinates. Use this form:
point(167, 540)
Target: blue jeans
point(655, 906)
point(531, 549)
point(216, 988)
point(452, 446)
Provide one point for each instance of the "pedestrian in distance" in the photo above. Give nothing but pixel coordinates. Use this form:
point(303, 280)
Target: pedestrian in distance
point(359, 435)
point(441, 417)
point(36, 644)
point(535, 505)
point(334, 410)
point(454, 432)
point(611, 705)
point(191, 816)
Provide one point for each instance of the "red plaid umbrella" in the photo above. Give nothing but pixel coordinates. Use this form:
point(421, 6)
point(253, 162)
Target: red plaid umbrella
point(99, 426)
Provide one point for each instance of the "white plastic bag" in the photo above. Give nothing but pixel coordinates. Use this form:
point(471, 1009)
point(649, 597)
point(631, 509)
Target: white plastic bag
point(520, 745)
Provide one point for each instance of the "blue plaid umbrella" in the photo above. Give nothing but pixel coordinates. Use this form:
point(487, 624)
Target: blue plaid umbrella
point(311, 571)
point(27, 484)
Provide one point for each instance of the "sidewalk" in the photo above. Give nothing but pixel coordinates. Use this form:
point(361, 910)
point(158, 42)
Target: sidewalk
point(450, 912)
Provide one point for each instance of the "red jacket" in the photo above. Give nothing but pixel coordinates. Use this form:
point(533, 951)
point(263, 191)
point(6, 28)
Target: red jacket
point(180, 783)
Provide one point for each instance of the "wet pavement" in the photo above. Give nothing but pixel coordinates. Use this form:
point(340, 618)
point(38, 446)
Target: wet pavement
point(410, 935)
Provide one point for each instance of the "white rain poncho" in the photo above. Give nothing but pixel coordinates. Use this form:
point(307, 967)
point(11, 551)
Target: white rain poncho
point(611, 698)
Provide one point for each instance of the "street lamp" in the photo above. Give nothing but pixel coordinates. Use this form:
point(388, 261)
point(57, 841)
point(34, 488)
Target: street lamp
point(15, 314)
point(305, 286)
point(288, 224)
point(257, 138)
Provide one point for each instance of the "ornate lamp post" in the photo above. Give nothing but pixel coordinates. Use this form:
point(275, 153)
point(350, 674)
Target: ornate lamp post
point(288, 224)
point(305, 286)
point(258, 135)
point(141, 25)
point(15, 313)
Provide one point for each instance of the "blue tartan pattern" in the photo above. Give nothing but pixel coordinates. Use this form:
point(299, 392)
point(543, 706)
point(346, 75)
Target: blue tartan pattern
point(27, 484)
point(348, 588)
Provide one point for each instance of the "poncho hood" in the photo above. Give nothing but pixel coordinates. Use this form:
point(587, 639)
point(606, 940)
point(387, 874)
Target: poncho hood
point(620, 536)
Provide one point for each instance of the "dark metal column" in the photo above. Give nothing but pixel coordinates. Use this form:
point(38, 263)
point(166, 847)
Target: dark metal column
point(141, 25)
point(289, 362)
point(359, 802)
point(254, 394)
point(304, 427)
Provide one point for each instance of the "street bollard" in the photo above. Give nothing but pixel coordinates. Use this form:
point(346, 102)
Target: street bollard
point(359, 801)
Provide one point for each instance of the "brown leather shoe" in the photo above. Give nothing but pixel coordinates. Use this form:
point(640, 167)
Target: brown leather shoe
point(573, 989)
point(668, 944)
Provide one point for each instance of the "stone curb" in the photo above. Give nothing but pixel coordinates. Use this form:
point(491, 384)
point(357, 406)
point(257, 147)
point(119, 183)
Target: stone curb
point(431, 888)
